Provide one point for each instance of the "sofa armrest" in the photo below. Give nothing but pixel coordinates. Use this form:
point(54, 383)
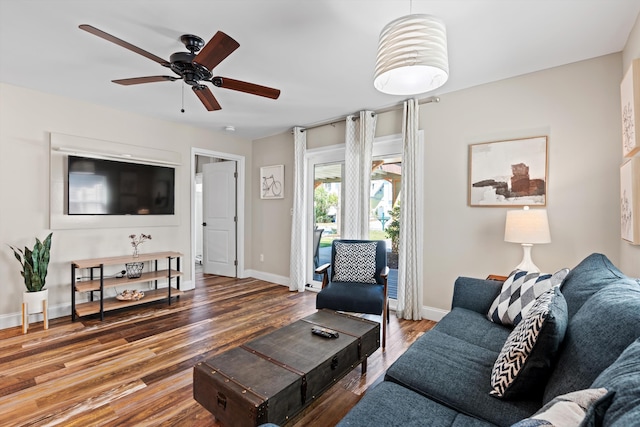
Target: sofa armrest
point(475, 294)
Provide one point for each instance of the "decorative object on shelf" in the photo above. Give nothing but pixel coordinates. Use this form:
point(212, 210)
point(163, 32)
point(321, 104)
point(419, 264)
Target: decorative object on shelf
point(412, 56)
point(137, 241)
point(35, 264)
point(130, 295)
point(630, 106)
point(272, 182)
point(134, 269)
point(630, 200)
point(508, 173)
point(527, 227)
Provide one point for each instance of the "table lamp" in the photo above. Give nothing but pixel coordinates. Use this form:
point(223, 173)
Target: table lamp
point(528, 227)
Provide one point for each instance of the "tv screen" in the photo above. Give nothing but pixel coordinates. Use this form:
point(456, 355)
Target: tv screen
point(109, 187)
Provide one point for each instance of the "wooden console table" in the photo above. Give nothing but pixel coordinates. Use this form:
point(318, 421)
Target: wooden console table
point(99, 283)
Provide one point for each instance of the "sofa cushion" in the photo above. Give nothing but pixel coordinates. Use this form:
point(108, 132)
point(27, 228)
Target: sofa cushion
point(519, 293)
point(623, 378)
point(598, 333)
point(566, 410)
point(475, 294)
point(524, 364)
point(355, 262)
point(457, 374)
point(389, 404)
point(592, 274)
point(476, 330)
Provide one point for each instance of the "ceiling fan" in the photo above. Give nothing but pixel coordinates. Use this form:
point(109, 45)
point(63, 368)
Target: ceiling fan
point(194, 67)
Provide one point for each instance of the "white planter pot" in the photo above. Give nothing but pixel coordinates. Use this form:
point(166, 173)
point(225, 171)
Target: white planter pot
point(34, 300)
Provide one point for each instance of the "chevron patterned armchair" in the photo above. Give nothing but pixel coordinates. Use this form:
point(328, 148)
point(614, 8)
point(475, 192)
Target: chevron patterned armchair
point(355, 280)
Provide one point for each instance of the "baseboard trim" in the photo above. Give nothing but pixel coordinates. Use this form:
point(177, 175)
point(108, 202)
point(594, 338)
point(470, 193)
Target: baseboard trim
point(428, 313)
point(268, 277)
point(11, 320)
point(432, 313)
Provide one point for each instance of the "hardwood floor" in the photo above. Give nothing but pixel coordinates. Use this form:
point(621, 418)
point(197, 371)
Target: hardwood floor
point(136, 367)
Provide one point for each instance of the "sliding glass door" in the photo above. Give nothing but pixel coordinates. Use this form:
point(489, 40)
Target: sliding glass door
point(326, 173)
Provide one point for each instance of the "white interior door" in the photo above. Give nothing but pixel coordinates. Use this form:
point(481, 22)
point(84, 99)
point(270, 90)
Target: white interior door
point(219, 218)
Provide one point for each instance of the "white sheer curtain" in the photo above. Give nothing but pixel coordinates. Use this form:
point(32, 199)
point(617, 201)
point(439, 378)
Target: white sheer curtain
point(298, 268)
point(409, 265)
point(357, 180)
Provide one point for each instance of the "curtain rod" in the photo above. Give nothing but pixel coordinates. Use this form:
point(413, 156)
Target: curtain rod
point(333, 122)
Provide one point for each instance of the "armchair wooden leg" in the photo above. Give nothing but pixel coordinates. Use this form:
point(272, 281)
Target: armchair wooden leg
point(384, 334)
point(385, 315)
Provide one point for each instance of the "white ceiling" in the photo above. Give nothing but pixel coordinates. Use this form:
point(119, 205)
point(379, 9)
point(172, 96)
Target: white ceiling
point(319, 53)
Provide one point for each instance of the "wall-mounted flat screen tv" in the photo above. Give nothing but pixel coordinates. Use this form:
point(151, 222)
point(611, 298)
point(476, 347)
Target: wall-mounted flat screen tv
point(109, 187)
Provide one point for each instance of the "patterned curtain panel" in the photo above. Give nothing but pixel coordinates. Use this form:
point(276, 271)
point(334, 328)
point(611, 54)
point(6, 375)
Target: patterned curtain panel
point(409, 271)
point(358, 148)
point(298, 268)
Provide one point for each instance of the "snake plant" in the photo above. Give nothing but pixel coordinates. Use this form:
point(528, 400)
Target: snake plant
point(35, 263)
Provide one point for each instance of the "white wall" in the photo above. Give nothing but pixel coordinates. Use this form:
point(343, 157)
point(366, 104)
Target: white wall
point(629, 254)
point(576, 106)
point(26, 119)
point(272, 217)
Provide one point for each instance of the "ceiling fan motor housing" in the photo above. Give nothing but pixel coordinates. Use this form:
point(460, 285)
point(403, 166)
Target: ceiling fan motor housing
point(182, 64)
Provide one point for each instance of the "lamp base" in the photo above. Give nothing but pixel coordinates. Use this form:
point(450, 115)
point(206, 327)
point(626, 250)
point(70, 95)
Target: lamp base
point(527, 263)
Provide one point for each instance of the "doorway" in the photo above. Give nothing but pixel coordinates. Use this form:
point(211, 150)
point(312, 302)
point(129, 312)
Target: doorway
point(218, 247)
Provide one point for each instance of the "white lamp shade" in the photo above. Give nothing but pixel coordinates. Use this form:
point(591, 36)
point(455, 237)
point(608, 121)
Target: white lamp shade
point(412, 56)
point(527, 226)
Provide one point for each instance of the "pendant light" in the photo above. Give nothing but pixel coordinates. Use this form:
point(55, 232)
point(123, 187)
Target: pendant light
point(412, 56)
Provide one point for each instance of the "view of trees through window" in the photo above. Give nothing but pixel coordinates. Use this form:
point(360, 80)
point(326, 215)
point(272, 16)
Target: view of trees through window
point(383, 215)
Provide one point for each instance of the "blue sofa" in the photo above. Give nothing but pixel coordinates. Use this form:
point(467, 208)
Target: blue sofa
point(443, 379)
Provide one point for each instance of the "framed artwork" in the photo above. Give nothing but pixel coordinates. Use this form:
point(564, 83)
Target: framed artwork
point(272, 182)
point(630, 200)
point(508, 173)
point(630, 106)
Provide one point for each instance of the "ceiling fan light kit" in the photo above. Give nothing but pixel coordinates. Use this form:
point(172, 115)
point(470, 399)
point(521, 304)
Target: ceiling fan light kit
point(412, 56)
point(193, 67)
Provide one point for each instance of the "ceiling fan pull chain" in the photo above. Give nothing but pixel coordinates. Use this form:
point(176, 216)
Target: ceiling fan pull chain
point(182, 109)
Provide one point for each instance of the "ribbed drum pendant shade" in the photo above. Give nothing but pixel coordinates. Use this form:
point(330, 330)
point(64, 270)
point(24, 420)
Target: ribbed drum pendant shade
point(412, 56)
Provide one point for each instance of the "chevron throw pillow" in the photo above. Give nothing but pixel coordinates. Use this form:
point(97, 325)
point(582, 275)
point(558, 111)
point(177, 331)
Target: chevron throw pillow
point(355, 262)
point(524, 363)
point(519, 293)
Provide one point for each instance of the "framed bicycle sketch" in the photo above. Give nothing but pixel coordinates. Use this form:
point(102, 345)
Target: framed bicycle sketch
point(272, 182)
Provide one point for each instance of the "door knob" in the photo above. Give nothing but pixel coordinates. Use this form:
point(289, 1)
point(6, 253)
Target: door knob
point(204, 223)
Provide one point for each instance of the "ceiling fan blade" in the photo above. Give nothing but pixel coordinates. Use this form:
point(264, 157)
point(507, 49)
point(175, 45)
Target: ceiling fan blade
point(139, 80)
point(206, 97)
point(126, 45)
point(246, 87)
point(216, 50)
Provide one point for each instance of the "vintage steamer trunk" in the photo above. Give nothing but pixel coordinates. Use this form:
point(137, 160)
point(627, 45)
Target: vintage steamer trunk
point(272, 378)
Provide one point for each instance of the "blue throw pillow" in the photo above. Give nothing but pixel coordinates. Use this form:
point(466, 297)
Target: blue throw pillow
point(523, 365)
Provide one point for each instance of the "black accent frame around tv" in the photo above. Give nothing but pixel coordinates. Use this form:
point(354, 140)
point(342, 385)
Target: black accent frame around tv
point(98, 186)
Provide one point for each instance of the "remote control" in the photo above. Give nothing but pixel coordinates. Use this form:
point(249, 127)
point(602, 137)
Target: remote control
point(324, 332)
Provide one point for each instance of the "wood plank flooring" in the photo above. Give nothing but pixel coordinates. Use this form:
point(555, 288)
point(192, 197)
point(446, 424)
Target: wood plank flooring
point(136, 367)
